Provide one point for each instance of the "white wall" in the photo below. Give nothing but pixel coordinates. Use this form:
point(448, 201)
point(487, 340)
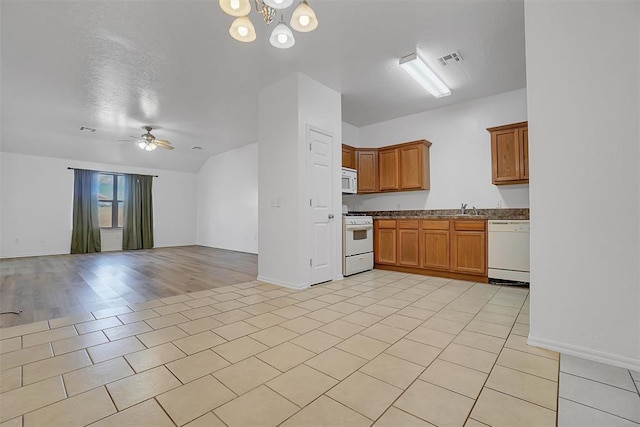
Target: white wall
point(228, 200)
point(460, 155)
point(277, 184)
point(584, 110)
point(321, 108)
point(37, 204)
point(285, 110)
point(350, 135)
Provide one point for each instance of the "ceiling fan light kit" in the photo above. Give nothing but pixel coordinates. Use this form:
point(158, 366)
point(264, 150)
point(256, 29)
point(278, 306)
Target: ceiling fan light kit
point(148, 141)
point(418, 69)
point(303, 20)
point(147, 146)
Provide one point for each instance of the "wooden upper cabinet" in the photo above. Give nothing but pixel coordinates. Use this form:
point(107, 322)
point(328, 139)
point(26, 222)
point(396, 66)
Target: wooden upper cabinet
point(510, 154)
point(404, 167)
point(348, 157)
point(414, 165)
point(389, 165)
point(524, 155)
point(367, 166)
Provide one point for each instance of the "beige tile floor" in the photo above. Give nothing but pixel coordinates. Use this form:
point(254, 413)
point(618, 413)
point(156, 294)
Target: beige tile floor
point(380, 348)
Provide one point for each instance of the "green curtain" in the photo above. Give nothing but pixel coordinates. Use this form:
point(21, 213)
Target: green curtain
point(85, 236)
point(137, 230)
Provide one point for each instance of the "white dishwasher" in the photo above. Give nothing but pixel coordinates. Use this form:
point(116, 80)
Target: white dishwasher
point(509, 250)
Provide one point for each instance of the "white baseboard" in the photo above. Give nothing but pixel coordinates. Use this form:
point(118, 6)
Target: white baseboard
point(284, 284)
point(586, 353)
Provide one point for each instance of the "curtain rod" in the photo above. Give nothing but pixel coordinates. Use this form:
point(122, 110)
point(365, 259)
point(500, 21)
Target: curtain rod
point(114, 173)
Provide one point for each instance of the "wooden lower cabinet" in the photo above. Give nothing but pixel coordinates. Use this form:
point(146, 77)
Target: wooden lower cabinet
point(435, 245)
point(442, 247)
point(408, 243)
point(384, 242)
point(469, 247)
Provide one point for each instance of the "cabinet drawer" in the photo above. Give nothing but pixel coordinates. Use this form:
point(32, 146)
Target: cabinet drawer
point(433, 224)
point(386, 223)
point(411, 224)
point(466, 225)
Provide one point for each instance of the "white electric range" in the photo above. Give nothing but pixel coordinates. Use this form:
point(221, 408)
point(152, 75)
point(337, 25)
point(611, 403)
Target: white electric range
point(357, 244)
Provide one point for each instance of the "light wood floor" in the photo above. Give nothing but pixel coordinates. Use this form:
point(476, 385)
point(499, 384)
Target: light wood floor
point(55, 286)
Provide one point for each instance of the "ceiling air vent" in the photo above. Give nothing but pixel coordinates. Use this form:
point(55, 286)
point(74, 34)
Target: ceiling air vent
point(451, 58)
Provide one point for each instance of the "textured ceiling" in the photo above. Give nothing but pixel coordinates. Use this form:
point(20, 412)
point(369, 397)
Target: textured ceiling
point(119, 65)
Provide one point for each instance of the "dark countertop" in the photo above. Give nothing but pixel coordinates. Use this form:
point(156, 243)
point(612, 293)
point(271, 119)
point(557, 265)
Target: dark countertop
point(505, 214)
point(430, 217)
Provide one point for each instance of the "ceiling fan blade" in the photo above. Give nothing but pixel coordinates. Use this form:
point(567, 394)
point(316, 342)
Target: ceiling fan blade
point(168, 147)
point(126, 140)
point(163, 143)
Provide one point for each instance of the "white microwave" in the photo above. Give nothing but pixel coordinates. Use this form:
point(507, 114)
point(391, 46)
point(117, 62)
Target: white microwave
point(349, 181)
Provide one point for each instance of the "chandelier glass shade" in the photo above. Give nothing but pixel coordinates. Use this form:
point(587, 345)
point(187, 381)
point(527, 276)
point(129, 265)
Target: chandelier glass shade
point(235, 7)
point(303, 19)
point(278, 4)
point(282, 37)
point(243, 30)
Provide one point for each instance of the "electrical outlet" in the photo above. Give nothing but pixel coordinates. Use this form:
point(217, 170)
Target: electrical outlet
point(499, 204)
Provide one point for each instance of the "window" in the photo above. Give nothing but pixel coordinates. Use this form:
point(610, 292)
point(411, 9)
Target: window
point(111, 200)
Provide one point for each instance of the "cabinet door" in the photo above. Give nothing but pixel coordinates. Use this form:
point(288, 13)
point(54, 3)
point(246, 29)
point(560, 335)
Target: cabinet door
point(435, 249)
point(524, 140)
point(409, 243)
point(389, 170)
point(469, 250)
point(348, 157)
point(367, 166)
point(385, 246)
point(505, 156)
point(411, 167)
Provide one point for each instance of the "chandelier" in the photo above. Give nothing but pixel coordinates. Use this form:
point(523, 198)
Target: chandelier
point(303, 20)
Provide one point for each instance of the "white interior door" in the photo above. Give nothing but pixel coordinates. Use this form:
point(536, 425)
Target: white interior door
point(320, 167)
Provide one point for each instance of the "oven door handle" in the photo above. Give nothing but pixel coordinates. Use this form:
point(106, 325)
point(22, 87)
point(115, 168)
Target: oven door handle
point(359, 227)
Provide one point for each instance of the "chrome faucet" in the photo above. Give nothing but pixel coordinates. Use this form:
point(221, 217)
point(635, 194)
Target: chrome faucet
point(463, 208)
point(475, 211)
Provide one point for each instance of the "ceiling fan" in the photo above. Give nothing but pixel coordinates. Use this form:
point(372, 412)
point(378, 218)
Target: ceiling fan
point(148, 141)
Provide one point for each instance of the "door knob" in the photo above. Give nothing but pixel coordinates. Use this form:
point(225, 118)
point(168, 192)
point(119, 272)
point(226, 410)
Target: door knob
point(330, 216)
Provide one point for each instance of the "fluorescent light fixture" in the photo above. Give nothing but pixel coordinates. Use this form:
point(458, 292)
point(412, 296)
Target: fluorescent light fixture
point(416, 67)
